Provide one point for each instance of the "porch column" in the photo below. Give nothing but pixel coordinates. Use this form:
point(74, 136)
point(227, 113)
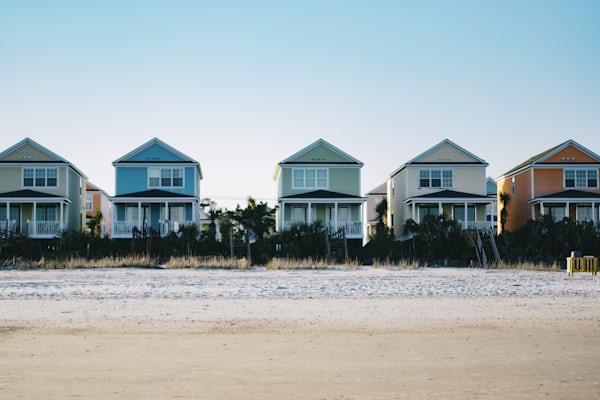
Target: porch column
point(62, 215)
point(440, 208)
point(140, 227)
point(466, 221)
point(166, 215)
point(533, 212)
point(282, 217)
point(594, 213)
point(309, 213)
point(567, 205)
point(414, 212)
point(335, 219)
point(33, 230)
point(7, 214)
point(541, 209)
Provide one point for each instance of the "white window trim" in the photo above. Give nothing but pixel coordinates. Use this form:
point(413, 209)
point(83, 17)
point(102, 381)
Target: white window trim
point(575, 186)
point(316, 187)
point(160, 186)
point(441, 170)
point(45, 177)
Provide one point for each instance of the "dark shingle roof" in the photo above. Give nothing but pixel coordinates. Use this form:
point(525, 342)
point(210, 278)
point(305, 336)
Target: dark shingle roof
point(321, 194)
point(451, 194)
point(571, 194)
point(153, 193)
point(28, 194)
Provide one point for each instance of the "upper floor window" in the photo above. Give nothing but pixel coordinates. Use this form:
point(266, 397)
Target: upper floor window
point(581, 178)
point(40, 177)
point(436, 178)
point(310, 178)
point(165, 177)
point(89, 203)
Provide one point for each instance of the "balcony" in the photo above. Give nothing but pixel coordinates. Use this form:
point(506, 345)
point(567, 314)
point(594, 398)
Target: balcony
point(353, 229)
point(124, 229)
point(45, 229)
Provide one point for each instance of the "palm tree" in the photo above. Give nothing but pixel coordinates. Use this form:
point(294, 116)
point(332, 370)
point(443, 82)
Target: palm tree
point(505, 200)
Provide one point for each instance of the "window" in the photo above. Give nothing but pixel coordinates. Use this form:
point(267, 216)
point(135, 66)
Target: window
point(45, 213)
point(40, 177)
point(557, 212)
point(428, 209)
point(435, 178)
point(584, 213)
point(310, 178)
point(581, 178)
point(165, 177)
point(424, 178)
point(88, 202)
point(177, 213)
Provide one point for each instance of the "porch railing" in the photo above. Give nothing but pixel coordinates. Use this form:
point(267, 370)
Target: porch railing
point(479, 225)
point(45, 228)
point(352, 228)
point(125, 228)
point(8, 228)
point(167, 227)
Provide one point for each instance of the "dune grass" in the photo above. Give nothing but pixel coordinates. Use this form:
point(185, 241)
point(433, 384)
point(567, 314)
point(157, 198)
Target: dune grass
point(208, 262)
point(309, 263)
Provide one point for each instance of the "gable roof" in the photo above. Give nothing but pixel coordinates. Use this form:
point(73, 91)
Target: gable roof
point(543, 156)
point(293, 159)
point(445, 142)
point(30, 142)
point(324, 143)
point(378, 190)
point(128, 158)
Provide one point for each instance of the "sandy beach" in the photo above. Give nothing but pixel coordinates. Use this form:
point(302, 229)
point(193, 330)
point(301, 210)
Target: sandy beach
point(59, 341)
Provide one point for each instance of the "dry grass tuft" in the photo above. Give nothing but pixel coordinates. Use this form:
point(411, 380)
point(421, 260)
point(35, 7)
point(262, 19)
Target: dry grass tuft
point(208, 262)
point(81, 262)
point(530, 266)
point(401, 264)
point(309, 263)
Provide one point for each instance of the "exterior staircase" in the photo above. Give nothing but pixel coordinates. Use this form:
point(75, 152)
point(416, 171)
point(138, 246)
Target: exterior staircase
point(337, 244)
point(483, 243)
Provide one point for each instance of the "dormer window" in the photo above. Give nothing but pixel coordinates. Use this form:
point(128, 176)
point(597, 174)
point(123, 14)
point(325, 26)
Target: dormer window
point(165, 177)
point(581, 178)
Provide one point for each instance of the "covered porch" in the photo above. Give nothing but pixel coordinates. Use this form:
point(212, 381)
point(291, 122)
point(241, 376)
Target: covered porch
point(152, 212)
point(469, 210)
point(335, 211)
point(576, 205)
point(34, 214)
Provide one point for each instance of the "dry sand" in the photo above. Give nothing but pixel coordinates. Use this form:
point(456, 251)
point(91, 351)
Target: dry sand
point(410, 348)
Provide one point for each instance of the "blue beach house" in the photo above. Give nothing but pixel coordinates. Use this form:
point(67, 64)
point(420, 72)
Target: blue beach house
point(157, 190)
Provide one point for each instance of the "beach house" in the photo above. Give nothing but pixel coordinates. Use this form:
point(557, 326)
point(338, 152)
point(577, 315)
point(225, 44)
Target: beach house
point(97, 200)
point(321, 183)
point(157, 191)
point(445, 180)
point(41, 193)
point(561, 182)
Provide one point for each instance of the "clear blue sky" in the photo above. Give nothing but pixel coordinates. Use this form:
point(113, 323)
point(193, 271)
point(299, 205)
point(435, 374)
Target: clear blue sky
point(241, 85)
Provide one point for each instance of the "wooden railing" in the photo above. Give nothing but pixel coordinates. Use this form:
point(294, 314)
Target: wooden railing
point(582, 264)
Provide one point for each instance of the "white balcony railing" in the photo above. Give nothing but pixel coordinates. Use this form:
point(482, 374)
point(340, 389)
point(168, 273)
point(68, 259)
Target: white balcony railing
point(353, 229)
point(45, 229)
point(124, 229)
point(8, 226)
point(479, 225)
